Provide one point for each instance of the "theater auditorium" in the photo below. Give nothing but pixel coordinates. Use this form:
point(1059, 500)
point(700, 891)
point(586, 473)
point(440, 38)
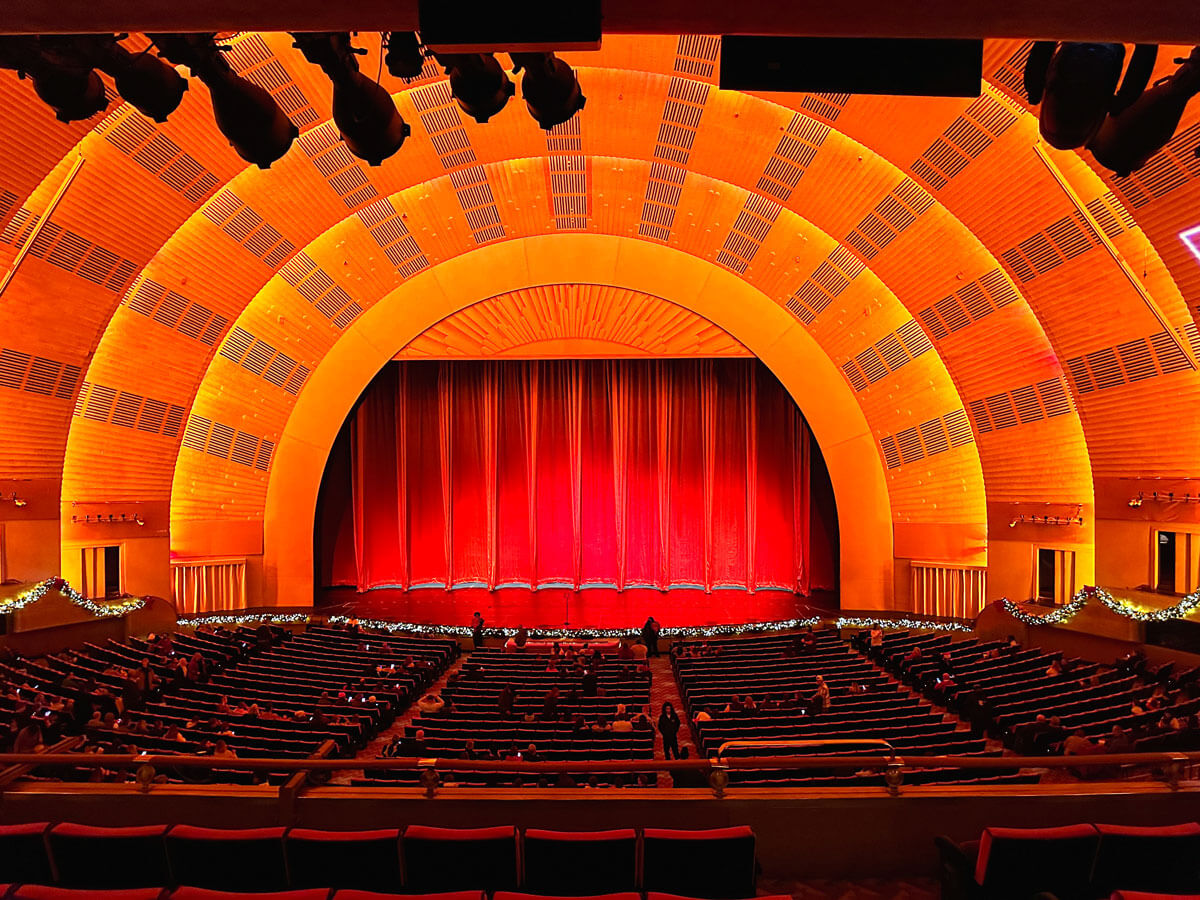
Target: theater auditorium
point(612, 450)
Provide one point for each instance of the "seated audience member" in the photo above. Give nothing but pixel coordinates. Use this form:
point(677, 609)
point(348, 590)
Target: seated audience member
point(521, 638)
point(505, 701)
point(622, 726)
point(223, 750)
point(1078, 744)
point(639, 649)
point(550, 704)
point(1117, 741)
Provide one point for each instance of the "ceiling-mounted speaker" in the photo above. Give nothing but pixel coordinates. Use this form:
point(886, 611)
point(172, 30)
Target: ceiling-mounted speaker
point(907, 67)
point(450, 27)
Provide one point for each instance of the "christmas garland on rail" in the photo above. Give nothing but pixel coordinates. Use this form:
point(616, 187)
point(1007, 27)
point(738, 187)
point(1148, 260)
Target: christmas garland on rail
point(1180, 610)
point(107, 609)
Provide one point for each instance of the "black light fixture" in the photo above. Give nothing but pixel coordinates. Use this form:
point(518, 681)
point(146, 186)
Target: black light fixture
point(404, 58)
point(150, 85)
point(1076, 88)
point(247, 115)
point(1130, 137)
point(478, 82)
point(67, 84)
point(363, 110)
point(549, 87)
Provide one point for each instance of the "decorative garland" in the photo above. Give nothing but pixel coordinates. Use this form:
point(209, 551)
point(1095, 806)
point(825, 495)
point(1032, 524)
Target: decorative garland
point(105, 610)
point(247, 619)
point(1183, 608)
point(1063, 614)
point(924, 624)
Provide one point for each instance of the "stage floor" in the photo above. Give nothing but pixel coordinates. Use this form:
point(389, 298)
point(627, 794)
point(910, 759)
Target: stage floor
point(559, 607)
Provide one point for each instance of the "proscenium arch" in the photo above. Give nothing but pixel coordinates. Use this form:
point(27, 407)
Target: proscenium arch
point(757, 322)
point(948, 488)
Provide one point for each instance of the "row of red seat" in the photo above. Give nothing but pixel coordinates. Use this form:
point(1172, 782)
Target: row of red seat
point(42, 892)
point(714, 863)
point(1073, 862)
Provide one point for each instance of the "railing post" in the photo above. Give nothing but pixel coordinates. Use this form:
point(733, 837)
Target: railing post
point(145, 777)
point(893, 777)
point(1173, 770)
point(429, 777)
point(718, 779)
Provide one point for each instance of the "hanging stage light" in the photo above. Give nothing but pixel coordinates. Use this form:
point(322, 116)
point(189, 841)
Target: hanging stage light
point(549, 87)
point(247, 115)
point(152, 86)
point(404, 58)
point(1129, 138)
point(363, 111)
point(1079, 82)
point(67, 84)
point(478, 82)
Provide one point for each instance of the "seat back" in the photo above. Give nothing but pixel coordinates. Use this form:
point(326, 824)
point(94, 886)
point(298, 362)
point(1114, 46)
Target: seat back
point(580, 863)
point(459, 859)
point(227, 859)
point(23, 855)
point(353, 894)
point(195, 893)
point(1019, 862)
point(510, 895)
point(46, 892)
point(711, 863)
point(367, 860)
point(87, 856)
point(1162, 859)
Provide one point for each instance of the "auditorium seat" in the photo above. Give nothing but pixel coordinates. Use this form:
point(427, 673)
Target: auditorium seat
point(580, 863)
point(1018, 863)
point(1162, 859)
point(23, 854)
point(510, 895)
point(46, 892)
point(87, 856)
point(1142, 895)
point(369, 860)
point(353, 894)
point(652, 895)
point(227, 859)
point(194, 893)
point(713, 863)
point(459, 859)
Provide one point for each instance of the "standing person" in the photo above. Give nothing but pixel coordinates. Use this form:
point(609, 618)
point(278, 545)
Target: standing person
point(477, 630)
point(650, 636)
point(521, 638)
point(668, 727)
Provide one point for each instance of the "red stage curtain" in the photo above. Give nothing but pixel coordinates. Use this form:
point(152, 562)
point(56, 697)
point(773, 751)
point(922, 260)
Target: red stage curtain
point(622, 473)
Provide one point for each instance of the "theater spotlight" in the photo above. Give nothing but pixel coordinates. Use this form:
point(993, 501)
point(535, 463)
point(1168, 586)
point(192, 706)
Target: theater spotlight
point(549, 88)
point(363, 110)
point(404, 58)
point(1076, 86)
point(67, 84)
point(247, 115)
point(1129, 138)
point(150, 85)
point(478, 82)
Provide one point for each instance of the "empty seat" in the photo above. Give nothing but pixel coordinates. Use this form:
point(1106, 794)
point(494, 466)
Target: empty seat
point(46, 892)
point(353, 894)
point(1016, 863)
point(509, 895)
point(1163, 859)
point(459, 859)
point(87, 856)
point(1142, 895)
point(580, 863)
point(194, 893)
point(227, 859)
point(23, 856)
point(712, 863)
point(369, 860)
point(656, 896)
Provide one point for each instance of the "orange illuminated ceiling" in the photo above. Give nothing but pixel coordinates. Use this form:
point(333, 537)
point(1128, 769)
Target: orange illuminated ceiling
point(1013, 324)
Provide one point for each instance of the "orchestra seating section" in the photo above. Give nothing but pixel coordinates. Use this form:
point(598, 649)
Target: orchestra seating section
point(780, 674)
point(571, 729)
point(1003, 690)
point(1073, 862)
point(712, 864)
point(236, 694)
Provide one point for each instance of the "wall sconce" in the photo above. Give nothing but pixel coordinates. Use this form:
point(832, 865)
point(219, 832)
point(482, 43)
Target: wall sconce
point(14, 500)
point(1045, 520)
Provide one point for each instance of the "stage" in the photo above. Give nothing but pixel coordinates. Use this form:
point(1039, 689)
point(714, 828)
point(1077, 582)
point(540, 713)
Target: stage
point(558, 607)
